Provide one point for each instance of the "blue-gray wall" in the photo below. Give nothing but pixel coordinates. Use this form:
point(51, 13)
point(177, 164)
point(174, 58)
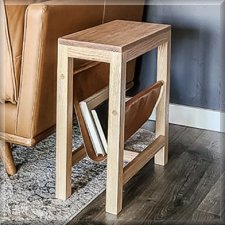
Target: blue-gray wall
point(198, 53)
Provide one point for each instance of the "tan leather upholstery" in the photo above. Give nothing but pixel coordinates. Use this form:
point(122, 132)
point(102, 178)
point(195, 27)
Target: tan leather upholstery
point(7, 78)
point(40, 55)
point(13, 17)
point(33, 90)
point(8, 118)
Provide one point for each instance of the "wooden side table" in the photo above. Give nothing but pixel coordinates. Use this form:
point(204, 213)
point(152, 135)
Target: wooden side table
point(115, 43)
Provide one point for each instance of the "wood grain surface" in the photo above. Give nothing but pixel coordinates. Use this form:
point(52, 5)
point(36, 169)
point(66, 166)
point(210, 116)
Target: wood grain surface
point(64, 124)
point(118, 35)
point(186, 191)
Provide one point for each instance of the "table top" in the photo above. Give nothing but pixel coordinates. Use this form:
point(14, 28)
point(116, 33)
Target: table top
point(117, 35)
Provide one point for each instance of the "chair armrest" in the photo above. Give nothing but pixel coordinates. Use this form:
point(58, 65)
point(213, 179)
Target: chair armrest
point(44, 23)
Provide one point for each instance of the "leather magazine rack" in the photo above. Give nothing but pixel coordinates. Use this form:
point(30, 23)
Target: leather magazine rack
point(138, 109)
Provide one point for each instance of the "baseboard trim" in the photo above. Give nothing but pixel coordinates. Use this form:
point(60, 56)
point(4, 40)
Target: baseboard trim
point(195, 117)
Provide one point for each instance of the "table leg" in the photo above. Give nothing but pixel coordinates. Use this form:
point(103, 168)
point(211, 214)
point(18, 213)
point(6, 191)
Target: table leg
point(114, 188)
point(162, 110)
point(64, 124)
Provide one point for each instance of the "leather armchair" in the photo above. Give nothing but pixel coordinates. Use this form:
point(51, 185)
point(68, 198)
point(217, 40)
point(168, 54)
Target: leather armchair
point(30, 30)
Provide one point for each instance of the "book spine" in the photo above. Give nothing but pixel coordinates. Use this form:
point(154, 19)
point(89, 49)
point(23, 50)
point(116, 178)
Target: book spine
point(95, 139)
point(99, 129)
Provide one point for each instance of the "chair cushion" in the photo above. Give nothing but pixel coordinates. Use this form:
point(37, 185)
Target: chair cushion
point(13, 14)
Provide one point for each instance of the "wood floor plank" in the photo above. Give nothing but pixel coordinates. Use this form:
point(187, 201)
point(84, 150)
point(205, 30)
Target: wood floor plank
point(205, 218)
point(213, 202)
point(175, 132)
point(184, 140)
point(132, 191)
point(173, 194)
point(208, 145)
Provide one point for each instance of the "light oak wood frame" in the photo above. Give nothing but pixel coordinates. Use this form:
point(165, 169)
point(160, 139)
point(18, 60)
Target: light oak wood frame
point(117, 176)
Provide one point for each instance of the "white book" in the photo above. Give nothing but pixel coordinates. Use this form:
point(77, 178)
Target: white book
point(93, 133)
point(99, 129)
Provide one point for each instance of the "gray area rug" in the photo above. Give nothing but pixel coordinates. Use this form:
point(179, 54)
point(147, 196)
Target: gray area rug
point(28, 197)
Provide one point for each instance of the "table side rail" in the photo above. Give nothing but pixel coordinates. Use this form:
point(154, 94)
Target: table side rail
point(142, 159)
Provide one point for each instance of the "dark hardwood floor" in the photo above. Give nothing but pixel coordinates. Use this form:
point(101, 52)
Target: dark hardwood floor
point(188, 190)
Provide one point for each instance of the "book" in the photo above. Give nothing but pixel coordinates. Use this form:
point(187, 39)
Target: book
point(93, 133)
point(95, 113)
point(100, 116)
point(99, 129)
